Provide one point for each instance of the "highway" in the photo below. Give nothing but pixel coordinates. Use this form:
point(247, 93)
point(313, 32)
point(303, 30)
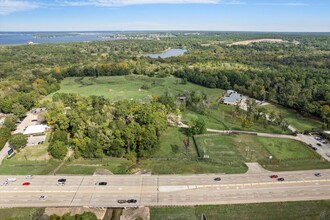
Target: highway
point(165, 190)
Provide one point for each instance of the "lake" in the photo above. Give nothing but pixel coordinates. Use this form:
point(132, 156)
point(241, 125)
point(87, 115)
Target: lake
point(53, 37)
point(168, 53)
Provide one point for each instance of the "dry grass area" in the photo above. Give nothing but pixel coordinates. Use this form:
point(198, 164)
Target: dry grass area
point(73, 211)
point(246, 42)
point(33, 153)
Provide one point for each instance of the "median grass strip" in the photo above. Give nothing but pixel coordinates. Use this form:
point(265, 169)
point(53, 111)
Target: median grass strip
point(262, 211)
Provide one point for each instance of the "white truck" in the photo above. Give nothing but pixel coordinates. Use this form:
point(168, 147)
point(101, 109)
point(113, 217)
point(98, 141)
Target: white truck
point(11, 179)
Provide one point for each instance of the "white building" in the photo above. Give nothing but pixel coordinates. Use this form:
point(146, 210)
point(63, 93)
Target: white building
point(35, 130)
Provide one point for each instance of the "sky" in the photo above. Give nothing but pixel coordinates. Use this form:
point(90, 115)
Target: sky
point(208, 15)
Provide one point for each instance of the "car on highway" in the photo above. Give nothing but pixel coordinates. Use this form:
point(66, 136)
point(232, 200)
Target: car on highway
point(4, 183)
point(11, 179)
point(28, 177)
point(61, 180)
point(319, 144)
point(42, 197)
point(217, 179)
point(317, 174)
point(273, 176)
point(60, 183)
point(121, 201)
point(26, 184)
point(280, 179)
point(314, 148)
point(131, 201)
point(103, 183)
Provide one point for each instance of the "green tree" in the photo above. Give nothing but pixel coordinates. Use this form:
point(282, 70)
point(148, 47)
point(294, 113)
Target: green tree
point(10, 122)
point(18, 140)
point(19, 110)
point(197, 126)
point(58, 150)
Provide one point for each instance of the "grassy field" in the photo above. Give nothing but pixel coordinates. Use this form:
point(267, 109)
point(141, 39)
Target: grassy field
point(264, 211)
point(295, 119)
point(21, 213)
point(129, 87)
point(32, 160)
point(219, 117)
point(170, 158)
point(287, 154)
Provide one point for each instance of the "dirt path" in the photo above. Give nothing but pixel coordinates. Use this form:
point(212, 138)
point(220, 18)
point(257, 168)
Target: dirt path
point(69, 154)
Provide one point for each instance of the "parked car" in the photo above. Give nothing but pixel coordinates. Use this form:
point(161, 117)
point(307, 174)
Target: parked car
point(217, 179)
point(103, 183)
point(274, 176)
point(26, 184)
point(131, 201)
point(121, 201)
point(280, 179)
point(317, 174)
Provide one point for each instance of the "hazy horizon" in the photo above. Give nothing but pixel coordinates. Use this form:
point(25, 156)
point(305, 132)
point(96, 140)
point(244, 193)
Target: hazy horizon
point(165, 15)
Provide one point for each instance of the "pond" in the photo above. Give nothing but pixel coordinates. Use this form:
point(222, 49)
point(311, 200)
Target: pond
point(168, 53)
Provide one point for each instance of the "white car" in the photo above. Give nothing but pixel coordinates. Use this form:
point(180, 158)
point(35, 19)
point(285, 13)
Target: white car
point(28, 177)
point(11, 179)
point(4, 183)
point(60, 183)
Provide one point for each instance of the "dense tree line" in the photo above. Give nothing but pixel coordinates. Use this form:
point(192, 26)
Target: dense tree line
point(95, 127)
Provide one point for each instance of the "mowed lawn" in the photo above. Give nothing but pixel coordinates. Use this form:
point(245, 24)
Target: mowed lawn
point(129, 87)
point(33, 160)
point(286, 154)
point(262, 211)
point(295, 119)
point(219, 117)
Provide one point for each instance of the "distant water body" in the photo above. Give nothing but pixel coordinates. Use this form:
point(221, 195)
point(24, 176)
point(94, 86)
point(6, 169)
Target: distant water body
point(53, 37)
point(168, 53)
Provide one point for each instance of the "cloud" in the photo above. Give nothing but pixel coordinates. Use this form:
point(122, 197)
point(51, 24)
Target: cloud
point(116, 3)
point(284, 4)
point(110, 3)
point(11, 6)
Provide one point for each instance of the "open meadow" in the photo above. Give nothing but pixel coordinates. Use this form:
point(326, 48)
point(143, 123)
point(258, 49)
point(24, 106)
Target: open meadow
point(264, 211)
point(234, 150)
point(129, 87)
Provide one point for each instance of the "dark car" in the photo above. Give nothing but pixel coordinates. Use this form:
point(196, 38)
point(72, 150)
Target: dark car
point(280, 179)
point(131, 201)
point(317, 174)
point(314, 148)
point(61, 180)
point(103, 183)
point(318, 144)
point(121, 201)
point(217, 179)
point(273, 176)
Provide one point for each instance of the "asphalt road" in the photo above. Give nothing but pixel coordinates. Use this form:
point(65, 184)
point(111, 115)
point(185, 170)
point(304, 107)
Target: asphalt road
point(165, 190)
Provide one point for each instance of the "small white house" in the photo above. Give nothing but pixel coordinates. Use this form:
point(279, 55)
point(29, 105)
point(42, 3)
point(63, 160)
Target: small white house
point(35, 130)
point(232, 98)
